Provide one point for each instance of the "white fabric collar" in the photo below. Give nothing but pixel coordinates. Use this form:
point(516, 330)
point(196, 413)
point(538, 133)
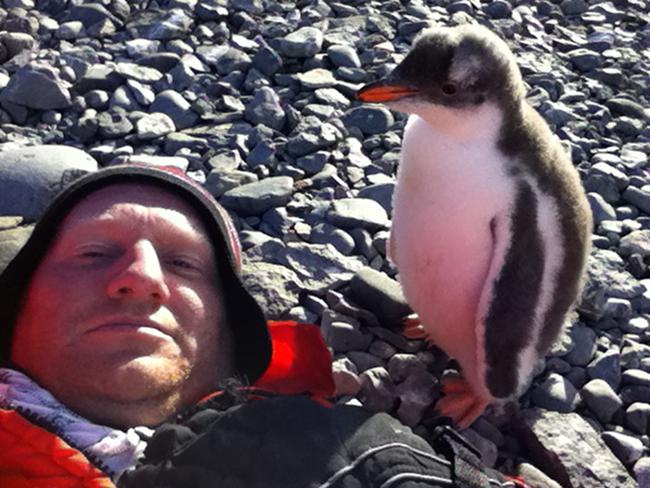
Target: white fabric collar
point(116, 450)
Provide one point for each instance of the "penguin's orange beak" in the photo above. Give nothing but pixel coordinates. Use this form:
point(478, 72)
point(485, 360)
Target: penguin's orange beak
point(385, 91)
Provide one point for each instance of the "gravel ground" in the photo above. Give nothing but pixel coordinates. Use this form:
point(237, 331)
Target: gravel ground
point(255, 99)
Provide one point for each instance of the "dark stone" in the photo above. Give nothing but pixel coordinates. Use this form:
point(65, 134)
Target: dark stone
point(371, 120)
point(258, 197)
point(382, 295)
point(38, 88)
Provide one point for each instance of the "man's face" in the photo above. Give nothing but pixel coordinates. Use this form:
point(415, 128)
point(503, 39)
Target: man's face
point(126, 305)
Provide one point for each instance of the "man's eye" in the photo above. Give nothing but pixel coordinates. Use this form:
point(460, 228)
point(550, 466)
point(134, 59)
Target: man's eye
point(183, 263)
point(93, 253)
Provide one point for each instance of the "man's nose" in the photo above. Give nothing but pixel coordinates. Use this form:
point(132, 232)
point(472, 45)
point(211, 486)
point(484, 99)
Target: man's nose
point(139, 275)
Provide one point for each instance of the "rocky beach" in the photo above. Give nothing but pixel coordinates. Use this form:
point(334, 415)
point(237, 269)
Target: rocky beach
point(255, 99)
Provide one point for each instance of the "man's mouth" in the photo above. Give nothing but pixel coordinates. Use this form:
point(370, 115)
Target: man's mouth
point(128, 325)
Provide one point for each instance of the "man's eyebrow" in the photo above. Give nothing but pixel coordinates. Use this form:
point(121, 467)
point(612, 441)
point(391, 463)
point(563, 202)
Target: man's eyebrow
point(107, 223)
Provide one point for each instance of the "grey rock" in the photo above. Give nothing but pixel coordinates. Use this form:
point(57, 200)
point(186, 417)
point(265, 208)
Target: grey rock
point(275, 287)
point(265, 109)
point(317, 78)
point(346, 377)
point(377, 391)
point(172, 103)
point(123, 98)
point(577, 376)
point(312, 136)
point(559, 444)
point(584, 339)
point(16, 42)
point(343, 56)
point(11, 242)
point(177, 141)
point(321, 266)
point(637, 417)
point(601, 399)
point(364, 360)
point(416, 394)
point(267, 61)
point(382, 193)
point(623, 106)
point(585, 59)
point(401, 366)
point(133, 71)
point(248, 6)
point(37, 87)
point(349, 213)
point(31, 176)
point(162, 61)
point(262, 154)
point(378, 292)
point(343, 333)
point(225, 161)
point(85, 128)
point(634, 159)
point(499, 9)
point(332, 97)
point(313, 163)
point(625, 447)
point(556, 394)
point(154, 125)
point(89, 14)
point(160, 24)
point(632, 353)
point(573, 7)
point(302, 43)
point(328, 234)
point(397, 340)
point(339, 303)
point(604, 169)
point(642, 472)
point(113, 124)
point(143, 94)
point(218, 183)
point(258, 197)
point(636, 325)
point(607, 367)
point(636, 377)
point(637, 242)
point(97, 99)
point(606, 271)
point(225, 59)
point(70, 30)
point(370, 120)
point(635, 393)
point(618, 308)
point(600, 209)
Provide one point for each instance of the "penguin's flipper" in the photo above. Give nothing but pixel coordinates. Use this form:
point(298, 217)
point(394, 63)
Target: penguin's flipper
point(460, 402)
point(510, 294)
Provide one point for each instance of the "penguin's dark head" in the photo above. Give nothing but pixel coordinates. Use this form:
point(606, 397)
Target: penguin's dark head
point(456, 67)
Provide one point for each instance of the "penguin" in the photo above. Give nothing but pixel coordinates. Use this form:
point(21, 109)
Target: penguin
point(491, 226)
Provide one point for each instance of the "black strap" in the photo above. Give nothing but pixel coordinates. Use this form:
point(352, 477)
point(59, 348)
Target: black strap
point(468, 469)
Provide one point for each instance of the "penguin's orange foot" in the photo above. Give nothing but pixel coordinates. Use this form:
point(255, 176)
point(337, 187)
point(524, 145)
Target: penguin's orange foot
point(413, 328)
point(460, 403)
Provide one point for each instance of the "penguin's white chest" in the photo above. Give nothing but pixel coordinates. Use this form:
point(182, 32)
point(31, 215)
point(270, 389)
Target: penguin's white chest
point(447, 194)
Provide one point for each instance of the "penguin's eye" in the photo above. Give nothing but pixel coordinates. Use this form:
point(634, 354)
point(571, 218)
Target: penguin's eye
point(449, 89)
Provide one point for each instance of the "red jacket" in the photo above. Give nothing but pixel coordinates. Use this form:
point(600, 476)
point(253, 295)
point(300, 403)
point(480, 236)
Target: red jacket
point(31, 457)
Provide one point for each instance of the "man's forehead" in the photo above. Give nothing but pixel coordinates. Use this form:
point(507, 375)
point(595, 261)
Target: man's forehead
point(115, 201)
